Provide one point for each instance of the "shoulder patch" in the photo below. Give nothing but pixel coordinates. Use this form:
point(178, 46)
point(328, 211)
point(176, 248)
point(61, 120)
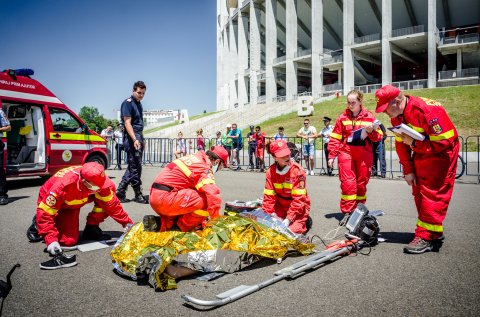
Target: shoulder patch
point(51, 200)
point(129, 99)
point(436, 127)
point(301, 184)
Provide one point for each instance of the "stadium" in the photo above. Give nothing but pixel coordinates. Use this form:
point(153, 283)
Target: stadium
point(276, 51)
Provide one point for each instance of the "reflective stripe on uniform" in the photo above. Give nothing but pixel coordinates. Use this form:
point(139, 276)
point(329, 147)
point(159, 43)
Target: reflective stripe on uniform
point(204, 181)
point(299, 191)
point(104, 198)
point(398, 139)
point(362, 197)
point(336, 136)
point(49, 210)
point(282, 185)
point(76, 201)
point(270, 192)
point(443, 136)
point(348, 197)
point(418, 129)
point(97, 209)
point(201, 212)
point(429, 227)
point(183, 167)
point(357, 123)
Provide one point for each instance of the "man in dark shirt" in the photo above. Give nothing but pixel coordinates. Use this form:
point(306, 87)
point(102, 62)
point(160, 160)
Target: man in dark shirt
point(134, 143)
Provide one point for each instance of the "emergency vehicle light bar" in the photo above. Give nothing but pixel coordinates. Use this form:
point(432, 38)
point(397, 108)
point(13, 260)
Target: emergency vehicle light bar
point(26, 72)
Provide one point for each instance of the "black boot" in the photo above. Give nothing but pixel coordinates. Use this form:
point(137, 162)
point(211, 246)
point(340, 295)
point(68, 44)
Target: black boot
point(92, 232)
point(122, 192)
point(139, 198)
point(32, 231)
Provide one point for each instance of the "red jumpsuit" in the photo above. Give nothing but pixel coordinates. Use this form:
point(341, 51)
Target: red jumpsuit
point(286, 195)
point(59, 203)
point(354, 158)
point(433, 161)
point(193, 196)
point(260, 150)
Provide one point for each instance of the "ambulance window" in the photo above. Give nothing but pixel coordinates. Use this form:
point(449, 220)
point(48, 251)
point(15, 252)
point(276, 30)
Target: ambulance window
point(64, 122)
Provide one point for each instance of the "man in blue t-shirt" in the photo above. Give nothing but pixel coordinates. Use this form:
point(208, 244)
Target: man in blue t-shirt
point(134, 143)
point(236, 135)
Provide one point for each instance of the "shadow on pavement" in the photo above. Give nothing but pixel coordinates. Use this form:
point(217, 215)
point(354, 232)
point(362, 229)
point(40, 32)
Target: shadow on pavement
point(336, 215)
point(25, 182)
point(15, 198)
point(397, 237)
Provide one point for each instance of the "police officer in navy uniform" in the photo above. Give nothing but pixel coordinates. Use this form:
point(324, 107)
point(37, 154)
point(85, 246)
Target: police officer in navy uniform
point(4, 127)
point(134, 143)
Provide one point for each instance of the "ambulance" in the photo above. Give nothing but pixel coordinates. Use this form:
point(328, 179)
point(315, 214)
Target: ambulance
point(45, 135)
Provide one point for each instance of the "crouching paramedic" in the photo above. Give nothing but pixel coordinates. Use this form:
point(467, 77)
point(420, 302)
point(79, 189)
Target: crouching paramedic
point(185, 194)
point(62, 196)
point(285, 193)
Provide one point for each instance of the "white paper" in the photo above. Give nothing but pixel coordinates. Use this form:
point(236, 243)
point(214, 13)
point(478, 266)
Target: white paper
point(403, 128)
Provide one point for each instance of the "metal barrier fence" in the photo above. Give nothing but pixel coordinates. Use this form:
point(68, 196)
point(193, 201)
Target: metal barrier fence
point(162, 151)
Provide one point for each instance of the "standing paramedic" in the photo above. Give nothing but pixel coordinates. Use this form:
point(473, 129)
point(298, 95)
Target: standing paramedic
point(430, 165)
point(285, 193)
point(134, 143)
point(351, 141)
point(184, 193)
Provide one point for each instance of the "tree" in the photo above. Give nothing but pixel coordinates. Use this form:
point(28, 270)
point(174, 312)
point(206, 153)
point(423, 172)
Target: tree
point(93, 118)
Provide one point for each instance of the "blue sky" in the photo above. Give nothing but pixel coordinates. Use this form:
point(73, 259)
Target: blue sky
point(90, 52)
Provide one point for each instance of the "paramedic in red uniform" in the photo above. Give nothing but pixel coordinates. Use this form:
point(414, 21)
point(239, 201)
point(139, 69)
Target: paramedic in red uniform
point(354, 152)
point(184, 193)
point(62, 196)
point(285, 192)
point(430, 165)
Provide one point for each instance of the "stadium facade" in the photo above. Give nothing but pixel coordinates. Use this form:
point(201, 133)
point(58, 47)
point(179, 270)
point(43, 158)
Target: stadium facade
point(278, 50)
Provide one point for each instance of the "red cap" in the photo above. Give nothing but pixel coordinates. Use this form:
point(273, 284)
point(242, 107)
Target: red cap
point(222, 153)
point(93, 173)
point(279, 148)
point(384, 95)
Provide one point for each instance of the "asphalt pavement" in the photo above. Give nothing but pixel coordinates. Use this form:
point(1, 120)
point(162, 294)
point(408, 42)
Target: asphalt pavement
point(386, 282)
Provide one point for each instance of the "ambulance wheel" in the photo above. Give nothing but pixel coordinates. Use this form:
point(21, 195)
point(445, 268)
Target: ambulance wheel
point(97, 159)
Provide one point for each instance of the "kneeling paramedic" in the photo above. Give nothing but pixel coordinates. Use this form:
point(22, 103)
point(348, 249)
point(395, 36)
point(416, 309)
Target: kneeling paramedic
point(62, 196)
point(285, 194)
point(185, 194)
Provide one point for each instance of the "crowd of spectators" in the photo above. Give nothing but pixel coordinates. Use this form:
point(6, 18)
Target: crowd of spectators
point(303, 144)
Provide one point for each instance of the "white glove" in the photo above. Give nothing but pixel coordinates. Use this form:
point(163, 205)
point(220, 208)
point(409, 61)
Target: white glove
point(127, 227)
point(54, 248)
point(286, 222)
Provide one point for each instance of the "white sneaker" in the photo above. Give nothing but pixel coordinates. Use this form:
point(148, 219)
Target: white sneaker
point(312, 173)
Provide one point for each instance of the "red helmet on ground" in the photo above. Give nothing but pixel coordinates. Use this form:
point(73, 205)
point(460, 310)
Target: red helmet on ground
point(93, 173)
point(222, 153)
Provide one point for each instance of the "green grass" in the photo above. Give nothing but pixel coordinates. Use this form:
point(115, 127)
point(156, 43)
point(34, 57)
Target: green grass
point(198, 116)
point(147, 131)
point(461, 103)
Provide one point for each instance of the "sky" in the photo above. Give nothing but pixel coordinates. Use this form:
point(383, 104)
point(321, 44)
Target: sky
point(90, 52)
